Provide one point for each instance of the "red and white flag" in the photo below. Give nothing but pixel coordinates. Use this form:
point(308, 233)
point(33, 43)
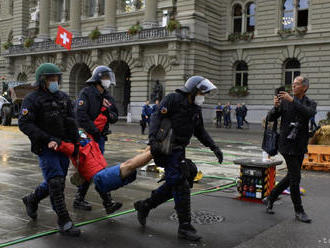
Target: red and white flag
point(64, 38)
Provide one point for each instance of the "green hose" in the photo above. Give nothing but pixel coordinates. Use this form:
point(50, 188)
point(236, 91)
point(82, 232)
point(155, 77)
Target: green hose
point(210, 190)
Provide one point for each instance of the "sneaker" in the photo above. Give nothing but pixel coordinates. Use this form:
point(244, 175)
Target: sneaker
point(112, 207)
point(82, 205)
point(269, 205)
point(68, 229)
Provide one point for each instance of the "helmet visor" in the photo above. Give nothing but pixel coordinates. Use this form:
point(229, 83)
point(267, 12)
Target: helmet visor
point(109, 75)
point(206, 86)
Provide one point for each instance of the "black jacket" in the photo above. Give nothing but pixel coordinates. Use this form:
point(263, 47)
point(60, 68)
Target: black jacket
point(43, 118)
point(186, 120)
point(88, 108)
point(297, 111)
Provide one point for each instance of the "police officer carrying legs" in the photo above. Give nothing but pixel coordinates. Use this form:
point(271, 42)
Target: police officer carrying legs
point(88, 108)
point(43, 119)
point(183, 109)
point(295, 112)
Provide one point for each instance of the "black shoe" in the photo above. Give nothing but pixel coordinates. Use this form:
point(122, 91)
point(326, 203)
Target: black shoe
point(303, 217)
point(142, 212)
point(68, 229)
point(188, 232)
point(269, 205)
point(82, 205)
point(31, 205)
point(112, 207)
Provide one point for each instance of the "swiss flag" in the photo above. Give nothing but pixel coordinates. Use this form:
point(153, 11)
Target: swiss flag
point(64, 38)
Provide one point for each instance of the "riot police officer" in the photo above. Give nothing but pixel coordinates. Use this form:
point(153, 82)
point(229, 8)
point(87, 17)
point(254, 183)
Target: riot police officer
point(88, 108)
point(43, 119)
point(183, 109)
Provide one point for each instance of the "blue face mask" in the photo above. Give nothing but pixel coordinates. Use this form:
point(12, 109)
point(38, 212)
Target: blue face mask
point(53, 87)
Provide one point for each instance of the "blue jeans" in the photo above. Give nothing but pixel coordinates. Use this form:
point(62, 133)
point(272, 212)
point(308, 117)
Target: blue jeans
point(52, 164)
point(239, 121)
point(227, 120)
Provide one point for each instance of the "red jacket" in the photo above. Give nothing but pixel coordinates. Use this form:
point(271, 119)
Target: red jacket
point(91, 160)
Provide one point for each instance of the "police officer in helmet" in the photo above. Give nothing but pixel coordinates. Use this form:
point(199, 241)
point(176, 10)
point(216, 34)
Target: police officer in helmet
point(183, 109)
point(43, 119)
point(91, 99)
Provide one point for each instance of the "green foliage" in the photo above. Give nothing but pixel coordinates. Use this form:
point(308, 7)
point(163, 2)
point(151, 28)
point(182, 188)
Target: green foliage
point(135, 29)
point(239, 91)
point(173, 25)
point(95, 34)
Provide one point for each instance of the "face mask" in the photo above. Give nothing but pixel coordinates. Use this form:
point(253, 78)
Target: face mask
point(106, 83)
point(199, 100)
point(53, 87)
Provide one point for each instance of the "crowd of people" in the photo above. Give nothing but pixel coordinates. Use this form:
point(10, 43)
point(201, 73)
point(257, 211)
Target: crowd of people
point(224, 112)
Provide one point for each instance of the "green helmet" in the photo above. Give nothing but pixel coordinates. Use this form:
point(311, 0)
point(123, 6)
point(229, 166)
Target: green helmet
point(44, 70)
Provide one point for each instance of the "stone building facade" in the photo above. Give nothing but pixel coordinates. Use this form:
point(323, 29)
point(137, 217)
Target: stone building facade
point(247, 48)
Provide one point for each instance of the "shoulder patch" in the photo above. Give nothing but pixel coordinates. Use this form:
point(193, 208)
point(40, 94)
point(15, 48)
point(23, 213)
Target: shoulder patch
point(25, 111)
point(163, 110)
point(81, 102)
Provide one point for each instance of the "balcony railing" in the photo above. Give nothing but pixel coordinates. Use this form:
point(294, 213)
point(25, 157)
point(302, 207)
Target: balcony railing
point(104, 40)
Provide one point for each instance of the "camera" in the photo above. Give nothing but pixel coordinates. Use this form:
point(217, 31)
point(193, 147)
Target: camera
point(294, 127)
point(278, 90)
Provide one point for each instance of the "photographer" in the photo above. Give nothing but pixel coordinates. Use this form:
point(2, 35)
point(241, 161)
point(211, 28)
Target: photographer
point(295, 113)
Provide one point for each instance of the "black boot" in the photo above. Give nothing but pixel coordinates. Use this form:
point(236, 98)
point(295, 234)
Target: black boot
point(79, 201)
point(31, 204)
point(303, 217)
point(158, 196)
point(181, 194)
point(110, 205)
point(188, 232)
point(269, 205)
point(143, 210)
point(56, 192)
point(32, 200)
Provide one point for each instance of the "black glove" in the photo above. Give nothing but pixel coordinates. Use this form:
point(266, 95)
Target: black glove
point(218, 153)
point(155, 148)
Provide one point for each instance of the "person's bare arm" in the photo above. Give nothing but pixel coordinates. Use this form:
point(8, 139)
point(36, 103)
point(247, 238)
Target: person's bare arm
point(138, 161)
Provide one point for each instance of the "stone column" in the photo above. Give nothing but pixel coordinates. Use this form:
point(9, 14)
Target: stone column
point(44, 19)
point(110, 11)
point(75, 17)
point(150, 14)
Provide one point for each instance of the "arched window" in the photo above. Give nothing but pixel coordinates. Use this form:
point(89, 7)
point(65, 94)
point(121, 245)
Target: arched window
point(250, 17)
point(241, 74)
point(302, 13)
point(237, 18)
point(22, 77)
point(291, 70)
point(295, 14)
point(288, 14)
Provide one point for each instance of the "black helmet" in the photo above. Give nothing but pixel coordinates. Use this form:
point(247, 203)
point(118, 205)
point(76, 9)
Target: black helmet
point(197, 83)
point(100, 72)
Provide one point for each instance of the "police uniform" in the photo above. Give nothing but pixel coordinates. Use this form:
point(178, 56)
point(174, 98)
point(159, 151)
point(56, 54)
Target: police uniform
point(88, 108)
point(186, 120)
point(43, 119)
